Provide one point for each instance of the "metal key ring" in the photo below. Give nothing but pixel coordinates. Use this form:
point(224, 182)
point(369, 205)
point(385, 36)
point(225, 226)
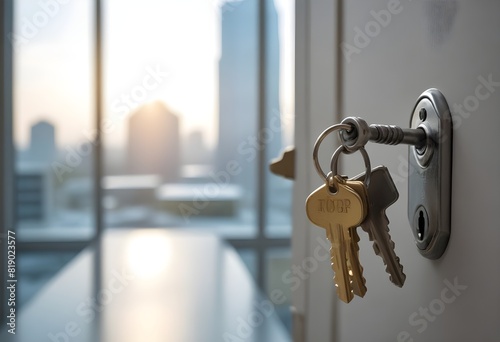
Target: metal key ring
point(318, 143)
point(335, 159)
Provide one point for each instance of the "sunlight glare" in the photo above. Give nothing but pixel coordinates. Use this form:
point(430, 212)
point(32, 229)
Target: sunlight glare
point(148, 254)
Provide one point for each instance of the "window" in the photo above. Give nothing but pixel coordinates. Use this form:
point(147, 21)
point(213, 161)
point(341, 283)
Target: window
point(183, 105)
point(53, 121)
point(197, 98)
point(53, 116)
point(181, 95)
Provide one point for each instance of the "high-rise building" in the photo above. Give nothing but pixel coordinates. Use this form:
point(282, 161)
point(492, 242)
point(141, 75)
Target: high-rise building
point(239, 89)
point(42, 148)
point(195, 149)
point(154, 142)
point(34, 179)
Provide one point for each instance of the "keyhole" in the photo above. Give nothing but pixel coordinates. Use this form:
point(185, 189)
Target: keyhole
point(421, 225)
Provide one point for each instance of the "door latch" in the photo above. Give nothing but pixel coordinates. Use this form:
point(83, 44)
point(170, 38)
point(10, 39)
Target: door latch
point(429, 166)
point(429, 179)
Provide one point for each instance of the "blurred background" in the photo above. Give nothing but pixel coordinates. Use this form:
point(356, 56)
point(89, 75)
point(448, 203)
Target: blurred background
point(197, 98)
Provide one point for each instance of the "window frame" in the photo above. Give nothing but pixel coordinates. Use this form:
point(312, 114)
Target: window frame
point(6, 145)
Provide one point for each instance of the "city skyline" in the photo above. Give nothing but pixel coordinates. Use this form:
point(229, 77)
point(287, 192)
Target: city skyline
point(192, 69)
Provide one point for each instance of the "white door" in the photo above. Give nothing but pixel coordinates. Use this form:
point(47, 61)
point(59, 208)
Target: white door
point(393, 51)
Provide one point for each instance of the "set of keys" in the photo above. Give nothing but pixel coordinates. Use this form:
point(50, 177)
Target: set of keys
point(343, 204)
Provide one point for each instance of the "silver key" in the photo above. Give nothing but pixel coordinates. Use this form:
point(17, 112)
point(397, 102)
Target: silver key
point(381, 194)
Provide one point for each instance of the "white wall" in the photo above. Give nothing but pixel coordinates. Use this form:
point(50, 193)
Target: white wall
point(448, 45)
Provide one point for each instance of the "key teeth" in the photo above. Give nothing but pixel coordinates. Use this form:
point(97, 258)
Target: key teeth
point(358, 282)
point(402, 280)
point(336, 282)
point(376, 248)
point(362, 286)
point(363, 280)
point(369, 232)
point(339, 295)
point(377, 252)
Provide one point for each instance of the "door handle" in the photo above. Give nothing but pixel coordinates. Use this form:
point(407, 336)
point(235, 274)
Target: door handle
point(284, 165)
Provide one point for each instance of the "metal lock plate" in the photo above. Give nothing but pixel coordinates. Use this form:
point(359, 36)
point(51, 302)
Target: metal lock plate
point(429, 179)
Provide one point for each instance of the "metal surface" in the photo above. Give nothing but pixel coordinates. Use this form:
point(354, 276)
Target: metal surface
point(318, 142)
point(366, 158)
point(381, 194)
point(357, 279)
point(429, 179)
point(360, 133)
point(430, 135)
point(338, 214)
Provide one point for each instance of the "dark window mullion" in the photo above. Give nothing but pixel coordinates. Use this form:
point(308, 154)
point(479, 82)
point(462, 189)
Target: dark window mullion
point(265, 243)
point(261, 173)
point(97, 149)
point(6, 143)
point(98, 93)
point(45, 246)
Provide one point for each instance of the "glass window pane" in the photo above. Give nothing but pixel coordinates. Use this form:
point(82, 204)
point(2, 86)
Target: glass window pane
point(279, 129)
point(53, 119)
point(278, 262)
point(36, 269)
point(249, 258)
point(181, 107)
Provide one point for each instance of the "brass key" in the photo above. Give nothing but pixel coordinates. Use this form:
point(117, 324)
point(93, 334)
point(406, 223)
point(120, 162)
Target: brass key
point(338, 212)
point(355, 268)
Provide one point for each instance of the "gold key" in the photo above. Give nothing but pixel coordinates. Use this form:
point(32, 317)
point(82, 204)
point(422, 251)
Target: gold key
point(338, 212)
point(355, 268)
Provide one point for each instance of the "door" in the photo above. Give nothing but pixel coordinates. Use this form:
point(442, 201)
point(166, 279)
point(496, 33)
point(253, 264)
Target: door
point(384, 55)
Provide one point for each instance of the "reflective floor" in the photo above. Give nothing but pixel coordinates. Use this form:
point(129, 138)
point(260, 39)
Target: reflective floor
point(152, 285)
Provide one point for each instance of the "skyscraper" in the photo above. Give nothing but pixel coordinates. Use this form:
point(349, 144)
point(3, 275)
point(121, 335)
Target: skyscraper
point(195, 150)
point(239, 89)
point(154, 142)
point(34, 187)
point(42, 148)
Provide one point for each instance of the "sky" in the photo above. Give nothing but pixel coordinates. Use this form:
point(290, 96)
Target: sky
point(153, 50)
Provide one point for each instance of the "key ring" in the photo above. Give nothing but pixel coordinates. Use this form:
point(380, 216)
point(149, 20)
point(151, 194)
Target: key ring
point(318, 143)
point(342, 149)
